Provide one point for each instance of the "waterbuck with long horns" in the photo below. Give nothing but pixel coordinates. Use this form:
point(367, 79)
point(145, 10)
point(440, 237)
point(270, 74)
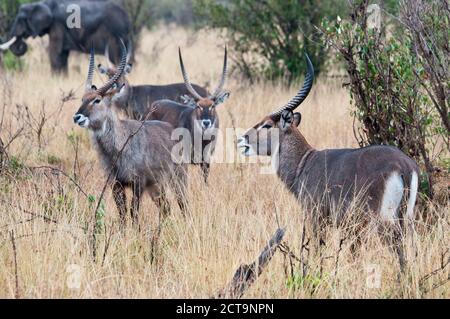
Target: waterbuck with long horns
point(136, 100)
point(198, 116)
point(331, 179)
point(136, 154)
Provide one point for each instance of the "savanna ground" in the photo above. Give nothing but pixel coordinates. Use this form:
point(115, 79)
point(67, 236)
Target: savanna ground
point(47, 214)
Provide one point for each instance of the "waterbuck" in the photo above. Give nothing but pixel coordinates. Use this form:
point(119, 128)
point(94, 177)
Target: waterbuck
point(198, 116)
point(136, 100)
point(138, 154)
point(331, 179)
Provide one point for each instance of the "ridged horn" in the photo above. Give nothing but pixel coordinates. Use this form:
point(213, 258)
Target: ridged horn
point(186, 78)
point(302, 94)
point(108, 59)
point(90, 70)
point(119, 72)
point(130, 51)
point(224, 76)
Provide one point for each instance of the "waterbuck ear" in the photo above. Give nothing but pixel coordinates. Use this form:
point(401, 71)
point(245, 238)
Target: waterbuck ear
point(102, 69)
point(286, 119)
point(297, 119)
point(128, 68)
point(221, 98)
point(188, 100)
point(118, 91)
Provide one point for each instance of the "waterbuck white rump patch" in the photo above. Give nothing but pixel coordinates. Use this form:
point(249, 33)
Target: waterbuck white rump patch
point(392, 197)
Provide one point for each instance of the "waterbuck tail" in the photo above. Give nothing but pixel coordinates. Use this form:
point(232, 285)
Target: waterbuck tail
point(412, 196)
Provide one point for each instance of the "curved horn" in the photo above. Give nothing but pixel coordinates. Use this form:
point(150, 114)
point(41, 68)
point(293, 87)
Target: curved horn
point(119, 72)
point(130, 51)
point(108, 59)
point(186, 79)
point(302, 94)
point(91, 69)
point(224, 76)
point(5, 46)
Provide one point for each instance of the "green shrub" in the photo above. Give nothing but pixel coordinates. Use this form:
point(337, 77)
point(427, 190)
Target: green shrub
point(11, 62)
point(308, 282)
point(386, 80)
point(146, 13)
point(99, 215)
point(16, 164)
point(428, 27)
point(8, 12)
point(278, 32)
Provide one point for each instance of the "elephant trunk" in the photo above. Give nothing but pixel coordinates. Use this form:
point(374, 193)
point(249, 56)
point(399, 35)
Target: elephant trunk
point(19, 47)
point(16, 41)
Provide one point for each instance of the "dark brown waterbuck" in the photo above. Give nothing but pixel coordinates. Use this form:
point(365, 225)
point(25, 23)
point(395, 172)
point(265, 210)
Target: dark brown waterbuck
point(331, 179)
point(137, 153)
point(136, 100)
point(197, 116)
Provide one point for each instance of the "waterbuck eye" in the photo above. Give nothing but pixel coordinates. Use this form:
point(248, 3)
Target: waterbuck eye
point(266, 126)
point(96, 101)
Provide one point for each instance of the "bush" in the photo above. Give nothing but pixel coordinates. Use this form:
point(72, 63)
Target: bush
point(11, 62)
point(174, 11)
point(428, 24)
point(140, 15)
point(387, 87)
point(8, 12)
point(277, 31)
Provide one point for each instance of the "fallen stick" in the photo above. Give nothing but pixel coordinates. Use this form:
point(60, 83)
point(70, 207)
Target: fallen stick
point(246, 275)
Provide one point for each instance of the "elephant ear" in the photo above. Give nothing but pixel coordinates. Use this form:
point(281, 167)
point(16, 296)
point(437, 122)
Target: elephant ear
point(40, 19)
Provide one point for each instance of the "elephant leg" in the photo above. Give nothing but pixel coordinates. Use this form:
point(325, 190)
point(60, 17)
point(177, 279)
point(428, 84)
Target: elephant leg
point(121, 200)
point(59, 61)
point(135, 202)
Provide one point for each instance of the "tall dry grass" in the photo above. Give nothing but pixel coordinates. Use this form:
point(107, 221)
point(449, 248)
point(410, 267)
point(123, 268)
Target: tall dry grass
point(228, 221)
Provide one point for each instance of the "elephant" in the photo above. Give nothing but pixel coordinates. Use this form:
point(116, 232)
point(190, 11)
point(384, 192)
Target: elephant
point(102, 24)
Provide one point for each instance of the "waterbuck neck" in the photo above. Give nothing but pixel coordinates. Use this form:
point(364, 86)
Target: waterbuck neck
point(195, 127)
point(110, 137)
point(294, 152)
point(184, 116)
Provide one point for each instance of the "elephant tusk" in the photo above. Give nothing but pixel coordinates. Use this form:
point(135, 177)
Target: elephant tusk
point(5, 46)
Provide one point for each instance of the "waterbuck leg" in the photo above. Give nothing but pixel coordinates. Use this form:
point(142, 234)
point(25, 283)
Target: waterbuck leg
point(179, 184)
point(135, 202)
point(121, 200)
point(163, 204)
point(205, 171)
point(181, 203)
point(392, 235)
point(160, 199)
point(398, 245)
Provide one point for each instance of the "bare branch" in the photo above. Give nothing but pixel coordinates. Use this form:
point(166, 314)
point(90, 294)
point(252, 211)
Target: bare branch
point(245, 275)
